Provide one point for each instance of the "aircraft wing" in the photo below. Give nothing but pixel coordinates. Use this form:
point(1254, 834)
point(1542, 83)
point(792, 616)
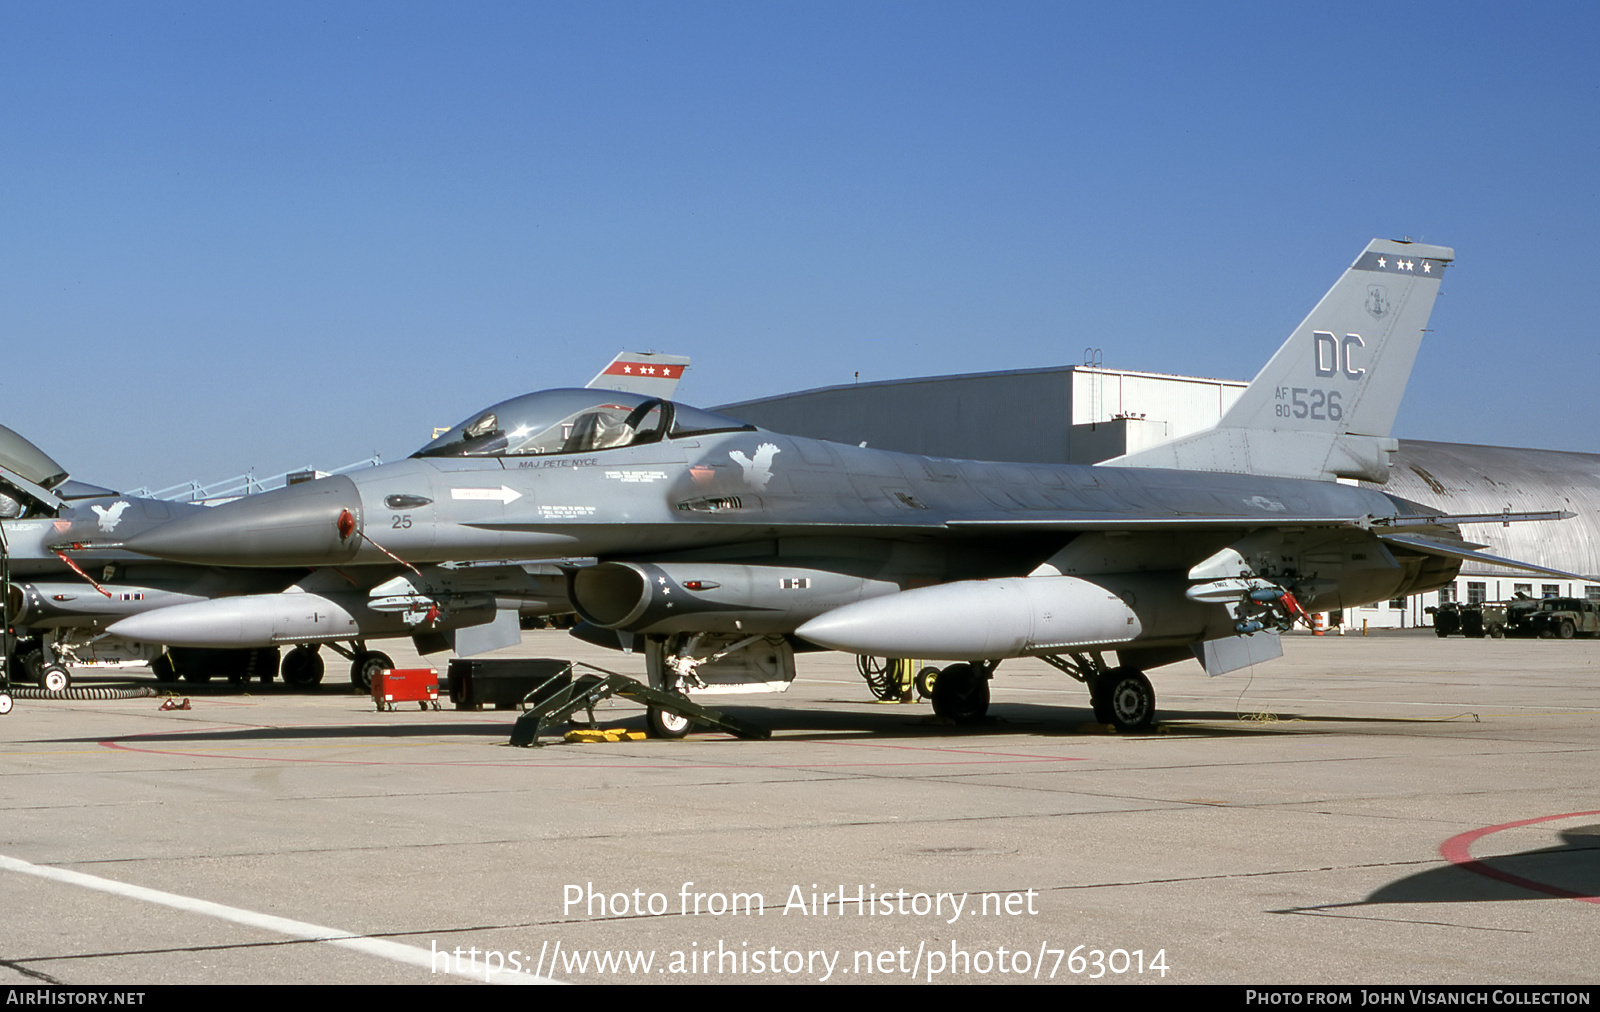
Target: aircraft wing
point(1388, 527)
point(1122, 521)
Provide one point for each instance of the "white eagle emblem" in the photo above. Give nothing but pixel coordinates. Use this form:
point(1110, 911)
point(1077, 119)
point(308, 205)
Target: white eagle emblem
point(757, 472)
point(110, 518)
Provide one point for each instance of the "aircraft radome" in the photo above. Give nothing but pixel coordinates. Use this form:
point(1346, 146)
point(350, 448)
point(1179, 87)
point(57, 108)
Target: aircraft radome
point(720, 549)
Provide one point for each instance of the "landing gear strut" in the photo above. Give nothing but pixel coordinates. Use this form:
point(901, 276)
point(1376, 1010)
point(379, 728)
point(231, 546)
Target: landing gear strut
point(41, 665)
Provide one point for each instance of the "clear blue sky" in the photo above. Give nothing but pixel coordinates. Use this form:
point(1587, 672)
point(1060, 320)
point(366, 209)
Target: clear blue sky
point(259, 235)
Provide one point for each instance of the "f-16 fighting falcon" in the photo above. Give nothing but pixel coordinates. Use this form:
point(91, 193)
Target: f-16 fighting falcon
point(721, 549)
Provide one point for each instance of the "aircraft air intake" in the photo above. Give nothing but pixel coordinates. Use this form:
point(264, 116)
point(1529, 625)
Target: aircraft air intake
point(711, 596)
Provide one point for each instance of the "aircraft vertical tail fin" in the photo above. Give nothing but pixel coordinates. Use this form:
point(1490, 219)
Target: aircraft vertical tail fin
point(642, 372)
point(1324, 405)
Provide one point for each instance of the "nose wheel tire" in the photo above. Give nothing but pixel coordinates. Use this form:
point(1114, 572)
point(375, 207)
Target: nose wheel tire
point(54, 678)
point(961, 694)
point(5, 703)
point(666, 724)
point(1125, 699)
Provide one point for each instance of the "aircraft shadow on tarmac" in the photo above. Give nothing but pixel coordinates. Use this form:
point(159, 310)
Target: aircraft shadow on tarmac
point(1568, 871)
point(236, 734)
point(851, 721)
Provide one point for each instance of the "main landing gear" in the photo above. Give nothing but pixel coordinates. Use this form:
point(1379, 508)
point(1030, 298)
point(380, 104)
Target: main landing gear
point(1121, 696)
point(364, 664)
point(41, 665)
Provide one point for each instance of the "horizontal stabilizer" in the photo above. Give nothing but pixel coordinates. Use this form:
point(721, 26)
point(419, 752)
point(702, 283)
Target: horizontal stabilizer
point(1506, 517)
point(1464, 551)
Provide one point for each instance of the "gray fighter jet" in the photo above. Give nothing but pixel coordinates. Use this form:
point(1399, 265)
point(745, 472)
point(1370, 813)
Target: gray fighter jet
point(229, 621)
point(56, 608)
point(720, 549)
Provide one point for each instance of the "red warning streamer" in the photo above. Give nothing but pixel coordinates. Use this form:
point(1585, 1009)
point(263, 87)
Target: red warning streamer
point(74, 567)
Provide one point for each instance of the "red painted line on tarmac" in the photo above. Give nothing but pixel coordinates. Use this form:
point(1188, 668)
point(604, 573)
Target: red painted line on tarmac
point(1457, 850)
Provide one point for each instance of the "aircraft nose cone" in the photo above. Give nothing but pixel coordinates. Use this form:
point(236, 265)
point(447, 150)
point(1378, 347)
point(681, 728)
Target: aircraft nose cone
point(314, 524)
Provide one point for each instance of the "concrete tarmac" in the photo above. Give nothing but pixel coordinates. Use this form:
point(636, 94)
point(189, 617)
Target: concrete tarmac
point(1385, 809)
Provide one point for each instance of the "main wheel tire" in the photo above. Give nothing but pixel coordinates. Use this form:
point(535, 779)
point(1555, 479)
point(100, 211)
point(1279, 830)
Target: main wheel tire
point(926, 679)
point(31, 664)
point(961, 694)
point(366, 667)
point(302, 667)
point(5, 704)
point(666, 724)
point(1566, 630)
point(162, 668)
point(1129, 699)
point(1497, 632)
point(54, 678)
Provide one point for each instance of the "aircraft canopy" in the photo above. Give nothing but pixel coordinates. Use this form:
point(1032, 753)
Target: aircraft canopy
point(21, 456)
point(574, 421)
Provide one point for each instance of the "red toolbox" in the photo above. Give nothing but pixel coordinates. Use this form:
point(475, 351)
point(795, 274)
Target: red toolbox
point(406, 685)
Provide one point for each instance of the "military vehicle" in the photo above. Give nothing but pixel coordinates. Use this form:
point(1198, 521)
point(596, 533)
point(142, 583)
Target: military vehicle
point(1554, 618)
point(1473, 621)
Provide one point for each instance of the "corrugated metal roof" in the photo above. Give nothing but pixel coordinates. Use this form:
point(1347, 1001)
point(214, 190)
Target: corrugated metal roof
point(1464, 478)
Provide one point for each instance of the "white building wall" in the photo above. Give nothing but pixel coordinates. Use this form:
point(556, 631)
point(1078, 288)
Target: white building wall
point(1184, 404)
point(1412, 613)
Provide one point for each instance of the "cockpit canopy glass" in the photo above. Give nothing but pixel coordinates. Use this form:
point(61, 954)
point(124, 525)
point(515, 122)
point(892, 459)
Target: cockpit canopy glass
point(27, 460)
point(574, 421)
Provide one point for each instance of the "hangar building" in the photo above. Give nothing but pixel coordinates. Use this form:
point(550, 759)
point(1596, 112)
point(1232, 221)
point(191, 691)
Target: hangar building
point(1087, 414)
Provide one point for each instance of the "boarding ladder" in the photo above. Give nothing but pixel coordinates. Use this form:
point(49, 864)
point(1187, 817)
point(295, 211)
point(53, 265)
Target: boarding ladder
point(583, 691)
